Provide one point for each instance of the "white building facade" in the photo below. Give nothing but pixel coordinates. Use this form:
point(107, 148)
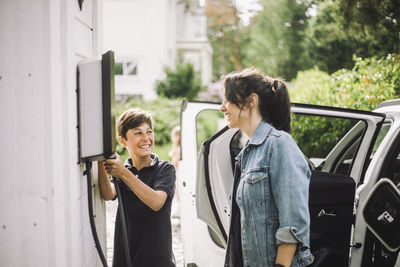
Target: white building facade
point(149, 35)
point(43, 194)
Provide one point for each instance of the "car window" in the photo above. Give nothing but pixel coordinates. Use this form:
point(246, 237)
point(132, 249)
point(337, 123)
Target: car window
point(208, 122)
point(330, 143)
point(317, 137)
point(382, 133)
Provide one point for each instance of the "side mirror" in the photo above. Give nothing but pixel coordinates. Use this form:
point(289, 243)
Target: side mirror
point(381, 212)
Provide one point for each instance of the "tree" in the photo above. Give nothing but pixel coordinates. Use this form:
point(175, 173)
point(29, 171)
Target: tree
point(275, 38)
point(328, 45)
point(374, 23)
point(342, 28)
point(182, 82)
point(370, 82)
point(224, 35)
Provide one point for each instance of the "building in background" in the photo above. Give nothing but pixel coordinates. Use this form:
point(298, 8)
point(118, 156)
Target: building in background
point(148, 36)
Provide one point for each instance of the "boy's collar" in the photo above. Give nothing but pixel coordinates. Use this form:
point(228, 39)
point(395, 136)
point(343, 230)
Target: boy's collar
point(154, 161)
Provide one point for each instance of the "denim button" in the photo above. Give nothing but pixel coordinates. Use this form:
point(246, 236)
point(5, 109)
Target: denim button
point(248, 149)
point(242, 225)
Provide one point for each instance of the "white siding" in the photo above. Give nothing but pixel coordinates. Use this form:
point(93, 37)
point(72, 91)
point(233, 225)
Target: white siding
point(43, 196)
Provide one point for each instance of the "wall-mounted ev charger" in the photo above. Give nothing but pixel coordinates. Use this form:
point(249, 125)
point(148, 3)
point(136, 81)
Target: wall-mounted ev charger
point(96, 121)
point(96, 111)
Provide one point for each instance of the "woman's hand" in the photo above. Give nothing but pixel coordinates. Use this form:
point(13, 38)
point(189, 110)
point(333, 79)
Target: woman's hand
point(115, 167)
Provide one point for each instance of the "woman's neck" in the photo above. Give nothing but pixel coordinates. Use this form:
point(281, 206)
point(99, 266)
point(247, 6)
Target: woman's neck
point(251, 123)
point(140, 162)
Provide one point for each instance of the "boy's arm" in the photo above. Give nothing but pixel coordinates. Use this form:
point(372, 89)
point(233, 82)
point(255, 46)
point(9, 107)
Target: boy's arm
point(154, 199)
point(107, 189)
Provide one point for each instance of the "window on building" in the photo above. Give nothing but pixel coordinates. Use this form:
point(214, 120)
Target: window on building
point(126, 68)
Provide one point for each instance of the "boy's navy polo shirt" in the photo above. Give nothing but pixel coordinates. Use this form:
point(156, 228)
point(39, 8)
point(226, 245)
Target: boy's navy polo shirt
point(149, 232)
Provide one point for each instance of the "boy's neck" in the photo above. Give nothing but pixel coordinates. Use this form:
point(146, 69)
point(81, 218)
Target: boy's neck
point(140, 162)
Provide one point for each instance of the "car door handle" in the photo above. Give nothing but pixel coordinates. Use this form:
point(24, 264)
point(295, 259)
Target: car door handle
point(324, 213)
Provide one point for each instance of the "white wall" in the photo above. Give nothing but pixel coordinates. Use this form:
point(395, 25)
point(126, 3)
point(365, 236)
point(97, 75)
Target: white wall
point(192, 40)
point(142, 30)
point(154, 33)
point(43, 196)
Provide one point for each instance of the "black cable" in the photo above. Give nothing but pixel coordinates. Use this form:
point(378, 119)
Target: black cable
point(88, 165)
point(121, 208)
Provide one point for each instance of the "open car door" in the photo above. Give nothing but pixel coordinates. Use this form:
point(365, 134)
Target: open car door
point(336, 142)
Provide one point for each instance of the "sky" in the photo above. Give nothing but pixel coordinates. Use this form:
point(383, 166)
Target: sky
point(247, 8)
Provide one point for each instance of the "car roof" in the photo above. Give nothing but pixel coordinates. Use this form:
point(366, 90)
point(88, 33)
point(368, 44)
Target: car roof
point(389, 106)
point(387, 103)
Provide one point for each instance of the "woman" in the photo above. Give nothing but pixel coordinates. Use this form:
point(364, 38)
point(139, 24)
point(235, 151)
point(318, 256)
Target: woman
point(270, 214)
point(147, 189)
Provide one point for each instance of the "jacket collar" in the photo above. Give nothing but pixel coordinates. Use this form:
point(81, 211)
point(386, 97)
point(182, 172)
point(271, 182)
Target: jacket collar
point(260, 134)
point(262, 131)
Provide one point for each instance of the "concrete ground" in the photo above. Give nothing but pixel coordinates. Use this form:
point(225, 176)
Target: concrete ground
point(111, 210)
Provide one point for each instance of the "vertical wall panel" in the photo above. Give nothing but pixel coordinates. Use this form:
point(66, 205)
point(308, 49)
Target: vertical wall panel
point(43, 204)
point(24, 205)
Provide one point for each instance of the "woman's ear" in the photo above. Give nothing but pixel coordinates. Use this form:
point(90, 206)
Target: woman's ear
point(252, 100)
point(122, 141)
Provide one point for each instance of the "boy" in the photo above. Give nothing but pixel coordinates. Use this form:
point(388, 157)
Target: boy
point(147, 189)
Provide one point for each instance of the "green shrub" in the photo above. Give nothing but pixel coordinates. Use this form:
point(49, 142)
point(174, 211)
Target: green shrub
point(182, 82)
point(370, 82)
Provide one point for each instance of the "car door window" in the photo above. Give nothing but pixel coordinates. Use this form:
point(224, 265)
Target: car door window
point(317, 137)
point(208, 122)
point(382, 133)
point(331, 143)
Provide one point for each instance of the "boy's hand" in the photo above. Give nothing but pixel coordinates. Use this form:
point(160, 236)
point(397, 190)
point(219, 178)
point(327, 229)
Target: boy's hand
point(115, 167)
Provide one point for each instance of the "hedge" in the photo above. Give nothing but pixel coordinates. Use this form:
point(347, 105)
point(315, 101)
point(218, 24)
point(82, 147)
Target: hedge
point(370, 82)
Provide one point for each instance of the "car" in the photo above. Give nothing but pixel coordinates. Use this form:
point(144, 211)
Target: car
point(354, 199)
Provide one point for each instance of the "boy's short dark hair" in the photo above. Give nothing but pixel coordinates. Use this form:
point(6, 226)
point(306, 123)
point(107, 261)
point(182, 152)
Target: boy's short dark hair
point(131, 119)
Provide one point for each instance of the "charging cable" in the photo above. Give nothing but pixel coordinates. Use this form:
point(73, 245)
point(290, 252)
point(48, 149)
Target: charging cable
point(117, 183)
point(88, 165)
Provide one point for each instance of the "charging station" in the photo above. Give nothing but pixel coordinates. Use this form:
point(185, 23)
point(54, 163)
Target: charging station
point(96, 108)
point(96, 120)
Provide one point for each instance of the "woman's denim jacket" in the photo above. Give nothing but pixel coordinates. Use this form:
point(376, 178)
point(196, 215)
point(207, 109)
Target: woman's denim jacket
point(272, 196)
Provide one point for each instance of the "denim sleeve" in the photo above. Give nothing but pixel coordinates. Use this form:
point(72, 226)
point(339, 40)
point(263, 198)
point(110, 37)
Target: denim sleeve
point(290, 176)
